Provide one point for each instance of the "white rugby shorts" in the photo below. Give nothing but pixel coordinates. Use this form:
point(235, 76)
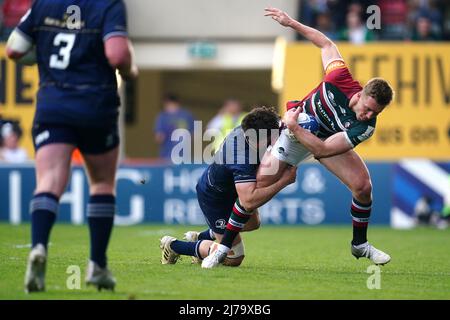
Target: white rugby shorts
point(289, 150)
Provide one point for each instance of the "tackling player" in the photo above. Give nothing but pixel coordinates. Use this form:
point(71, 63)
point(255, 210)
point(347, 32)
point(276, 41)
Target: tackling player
point(79, 45)
point(228, 185)
point(347, 114)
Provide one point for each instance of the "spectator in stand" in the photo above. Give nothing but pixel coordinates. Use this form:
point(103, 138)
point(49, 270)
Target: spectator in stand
point(229, 117)
point(10, 150)
point(356, 31)
point(425, 20)
point(423, 30)
point(173, 117)
point(309, 9)
point(12, 12)
point(325, 25)
point(393, 19)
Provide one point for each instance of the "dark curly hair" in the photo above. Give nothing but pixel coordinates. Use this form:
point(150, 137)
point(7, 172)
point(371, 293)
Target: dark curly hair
point(260, 119)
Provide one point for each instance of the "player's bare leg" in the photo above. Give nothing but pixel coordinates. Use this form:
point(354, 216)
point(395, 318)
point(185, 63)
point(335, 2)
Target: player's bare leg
point(352, 171)
point(253, 223)
point(101, 169)
point(52, 174)
point(53, 168)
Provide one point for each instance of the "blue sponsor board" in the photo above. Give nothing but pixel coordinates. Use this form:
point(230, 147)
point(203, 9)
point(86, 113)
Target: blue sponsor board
point(414, 180)
point(166, 194)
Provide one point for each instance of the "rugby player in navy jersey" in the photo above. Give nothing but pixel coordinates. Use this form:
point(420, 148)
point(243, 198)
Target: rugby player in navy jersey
point(346, 113)
point(79, 45)
point(228, 185)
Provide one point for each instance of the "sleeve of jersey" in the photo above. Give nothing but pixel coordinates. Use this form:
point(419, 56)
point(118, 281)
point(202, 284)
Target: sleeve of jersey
point(26, 26)
point(115, 21)
point(244, 173)
point(360, 132)
point(337, 74)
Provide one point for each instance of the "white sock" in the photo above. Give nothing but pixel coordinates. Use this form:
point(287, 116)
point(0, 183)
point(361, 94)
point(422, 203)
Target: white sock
point(223, 249)
point(362, 245)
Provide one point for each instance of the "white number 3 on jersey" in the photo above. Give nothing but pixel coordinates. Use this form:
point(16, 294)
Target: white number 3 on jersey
point(62, 59)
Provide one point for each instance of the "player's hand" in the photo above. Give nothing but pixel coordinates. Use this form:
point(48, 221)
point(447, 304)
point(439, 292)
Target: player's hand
point(289, 175)
point(130, 74)
point(290, 118)
point(280, 16)
point(134, 72)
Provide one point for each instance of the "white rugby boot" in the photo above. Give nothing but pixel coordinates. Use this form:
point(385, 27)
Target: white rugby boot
point(377, 256)
point(35, 274)
point(192, 236)
point(214, 260)
point(168, 255)
point(101, 278)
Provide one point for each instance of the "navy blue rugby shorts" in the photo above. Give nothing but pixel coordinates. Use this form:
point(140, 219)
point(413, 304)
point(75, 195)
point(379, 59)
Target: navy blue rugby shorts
point(216, 212)
point(89, 140)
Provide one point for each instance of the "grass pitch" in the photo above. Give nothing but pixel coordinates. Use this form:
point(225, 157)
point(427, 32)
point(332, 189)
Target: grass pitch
point(280, 263)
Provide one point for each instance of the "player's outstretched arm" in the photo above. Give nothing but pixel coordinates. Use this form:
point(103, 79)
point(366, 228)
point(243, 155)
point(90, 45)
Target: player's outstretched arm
point(252, 198)
point(329, 50)
point(334, 145)
point(120, 55)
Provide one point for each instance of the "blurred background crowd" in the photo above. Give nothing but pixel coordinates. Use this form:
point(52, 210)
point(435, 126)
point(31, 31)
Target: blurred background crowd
point(409, 20)
point(340, 20)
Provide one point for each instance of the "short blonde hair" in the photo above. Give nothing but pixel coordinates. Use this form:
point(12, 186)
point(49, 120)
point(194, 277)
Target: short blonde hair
point(380, 90)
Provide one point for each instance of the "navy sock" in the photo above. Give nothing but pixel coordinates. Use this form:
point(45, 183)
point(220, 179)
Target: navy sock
point(43, 209)
point(101, 211)
point(187, 248)
point(206, 235)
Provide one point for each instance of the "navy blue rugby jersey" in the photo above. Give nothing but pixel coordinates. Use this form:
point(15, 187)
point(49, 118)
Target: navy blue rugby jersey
point(235, 162)
point(77, 85)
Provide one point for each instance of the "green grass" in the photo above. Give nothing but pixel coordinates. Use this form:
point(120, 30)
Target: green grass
point(280, 263)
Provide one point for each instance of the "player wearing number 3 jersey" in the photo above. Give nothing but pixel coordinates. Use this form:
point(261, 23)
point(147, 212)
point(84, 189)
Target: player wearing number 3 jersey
point(78, 46)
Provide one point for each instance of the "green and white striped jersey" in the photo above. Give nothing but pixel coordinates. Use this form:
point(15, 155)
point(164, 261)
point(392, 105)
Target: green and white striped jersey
point(329, 104)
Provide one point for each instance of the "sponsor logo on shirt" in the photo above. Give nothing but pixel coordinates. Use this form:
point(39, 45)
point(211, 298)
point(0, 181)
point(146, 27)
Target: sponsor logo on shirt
point(331, 98)
point(333, 102)
point(325, 114)
point(367, 134)
point(335, 65)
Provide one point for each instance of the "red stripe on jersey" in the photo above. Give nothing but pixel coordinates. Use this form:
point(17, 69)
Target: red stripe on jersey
point(341, 78)
point(293, 104)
